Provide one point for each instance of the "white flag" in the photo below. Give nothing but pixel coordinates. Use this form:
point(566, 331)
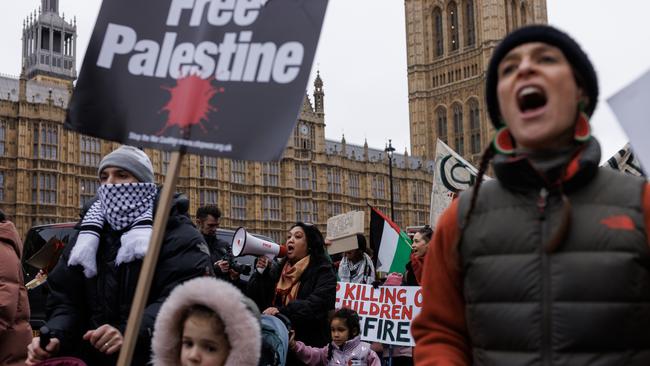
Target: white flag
point(452, 175)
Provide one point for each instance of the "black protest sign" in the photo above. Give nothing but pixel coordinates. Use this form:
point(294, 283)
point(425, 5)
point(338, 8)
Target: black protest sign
point(218, 77)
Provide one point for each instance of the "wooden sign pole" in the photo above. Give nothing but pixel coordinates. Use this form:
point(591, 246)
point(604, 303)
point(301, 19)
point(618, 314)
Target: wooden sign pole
point(150, 260)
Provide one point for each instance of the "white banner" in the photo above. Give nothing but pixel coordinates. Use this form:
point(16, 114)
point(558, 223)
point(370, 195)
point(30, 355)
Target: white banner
point(385, 312)
point(452, 175)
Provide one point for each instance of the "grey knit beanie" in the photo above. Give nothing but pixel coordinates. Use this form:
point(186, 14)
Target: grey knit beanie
point(131, 159)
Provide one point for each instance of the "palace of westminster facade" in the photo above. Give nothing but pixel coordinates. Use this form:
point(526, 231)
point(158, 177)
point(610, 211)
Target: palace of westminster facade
point(47, 172)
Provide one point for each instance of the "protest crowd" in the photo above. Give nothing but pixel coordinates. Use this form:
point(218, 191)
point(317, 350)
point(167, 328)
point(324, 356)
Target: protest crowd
point(548, 263)
point(199, 310)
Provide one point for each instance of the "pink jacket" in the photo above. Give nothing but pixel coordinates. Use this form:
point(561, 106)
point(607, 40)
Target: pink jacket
point(353, 352)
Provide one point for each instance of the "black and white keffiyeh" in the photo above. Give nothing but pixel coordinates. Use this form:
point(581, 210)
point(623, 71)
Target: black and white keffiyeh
point(123, 206)
point(361, 272)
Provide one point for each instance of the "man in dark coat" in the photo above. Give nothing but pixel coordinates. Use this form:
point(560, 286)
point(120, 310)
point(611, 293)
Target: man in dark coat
point(208, 219)
point(93, 285)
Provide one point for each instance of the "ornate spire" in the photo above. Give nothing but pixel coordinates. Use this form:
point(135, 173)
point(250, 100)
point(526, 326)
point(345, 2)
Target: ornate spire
point(50, 6)
point(318, 82)
point(22, 84)
point(319, 95)
point(61, 49)
point(365, 149)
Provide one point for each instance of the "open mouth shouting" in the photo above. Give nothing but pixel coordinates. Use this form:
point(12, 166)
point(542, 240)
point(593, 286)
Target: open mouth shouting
point(531, 100)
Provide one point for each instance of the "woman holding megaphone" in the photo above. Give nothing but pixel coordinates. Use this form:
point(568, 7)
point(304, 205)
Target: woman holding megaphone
point(301, 286)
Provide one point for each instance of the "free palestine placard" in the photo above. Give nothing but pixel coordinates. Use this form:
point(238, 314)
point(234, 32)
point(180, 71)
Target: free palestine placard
point(214, 77)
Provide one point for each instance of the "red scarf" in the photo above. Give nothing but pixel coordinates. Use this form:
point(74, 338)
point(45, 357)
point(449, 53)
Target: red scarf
point(417, 263)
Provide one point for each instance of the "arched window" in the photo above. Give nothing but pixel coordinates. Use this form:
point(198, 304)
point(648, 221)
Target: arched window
point(474, 127)
point(470, 32)
point(459, 140)
point(506, 8)
point(441, 124)
point(522, 12)
point(438, 45)
point(513, 14)
point(452, 13)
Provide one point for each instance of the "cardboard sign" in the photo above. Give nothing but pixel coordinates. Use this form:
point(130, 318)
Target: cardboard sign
point(342, 230)
point(343, 245)
point(210, 77)
point(385, 312)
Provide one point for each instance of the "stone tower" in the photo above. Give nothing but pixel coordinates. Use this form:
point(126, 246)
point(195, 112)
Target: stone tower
point(319, 95)
point(49, 45)
point(449, 43)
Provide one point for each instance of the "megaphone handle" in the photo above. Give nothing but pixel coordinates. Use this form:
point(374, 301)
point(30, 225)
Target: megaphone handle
point(44, 337)
point(269, 256)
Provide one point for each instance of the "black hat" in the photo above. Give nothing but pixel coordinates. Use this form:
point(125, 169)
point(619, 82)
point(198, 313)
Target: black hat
point(554, 37)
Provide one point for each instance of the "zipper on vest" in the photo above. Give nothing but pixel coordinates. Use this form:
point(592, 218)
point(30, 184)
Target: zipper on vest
point(541, 202)
point(546, 286)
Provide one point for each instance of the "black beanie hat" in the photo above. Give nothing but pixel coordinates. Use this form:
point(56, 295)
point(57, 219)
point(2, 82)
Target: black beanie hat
point(554, 37)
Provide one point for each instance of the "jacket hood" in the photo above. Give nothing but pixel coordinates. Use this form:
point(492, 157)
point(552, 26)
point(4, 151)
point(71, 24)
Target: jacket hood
point(242, 326)
point(9, 235)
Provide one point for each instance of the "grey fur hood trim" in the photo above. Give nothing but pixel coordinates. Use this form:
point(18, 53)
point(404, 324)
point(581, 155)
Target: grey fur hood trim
point(242, 327)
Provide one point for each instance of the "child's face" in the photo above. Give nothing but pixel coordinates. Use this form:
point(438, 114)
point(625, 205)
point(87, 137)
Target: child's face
point(201, 345)
point(340, 331)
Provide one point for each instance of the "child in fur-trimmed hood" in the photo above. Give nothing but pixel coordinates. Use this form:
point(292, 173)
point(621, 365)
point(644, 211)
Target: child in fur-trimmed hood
point(206, 321)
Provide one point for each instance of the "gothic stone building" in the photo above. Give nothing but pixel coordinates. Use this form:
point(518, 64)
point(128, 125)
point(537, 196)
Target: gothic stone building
point(449, 44)
point(48, 172)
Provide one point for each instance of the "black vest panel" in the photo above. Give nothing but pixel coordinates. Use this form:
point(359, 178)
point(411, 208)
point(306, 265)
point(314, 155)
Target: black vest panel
point(587, 303)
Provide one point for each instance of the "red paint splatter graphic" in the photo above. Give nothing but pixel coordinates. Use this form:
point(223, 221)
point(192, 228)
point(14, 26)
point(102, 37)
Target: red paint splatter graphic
point(189, 103)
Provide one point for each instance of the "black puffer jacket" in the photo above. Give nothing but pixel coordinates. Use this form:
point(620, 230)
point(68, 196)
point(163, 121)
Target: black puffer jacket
point(308, 312)
point(78, 304)
point(409, 278)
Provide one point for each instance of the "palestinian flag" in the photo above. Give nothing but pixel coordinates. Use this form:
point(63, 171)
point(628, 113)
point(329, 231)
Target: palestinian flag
point(391, 245)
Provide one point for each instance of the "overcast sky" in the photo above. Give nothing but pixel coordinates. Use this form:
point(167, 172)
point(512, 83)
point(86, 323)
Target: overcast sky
point(362, 59)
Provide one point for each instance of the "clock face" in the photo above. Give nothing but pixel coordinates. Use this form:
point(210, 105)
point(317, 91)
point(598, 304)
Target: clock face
point(304, 129)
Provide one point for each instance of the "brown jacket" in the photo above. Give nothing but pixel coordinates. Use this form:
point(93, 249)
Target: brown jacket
point(15, 332)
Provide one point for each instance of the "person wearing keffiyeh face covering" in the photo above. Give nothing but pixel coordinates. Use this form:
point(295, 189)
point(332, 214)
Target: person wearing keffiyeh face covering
point(93, 284)
point(302, 286)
